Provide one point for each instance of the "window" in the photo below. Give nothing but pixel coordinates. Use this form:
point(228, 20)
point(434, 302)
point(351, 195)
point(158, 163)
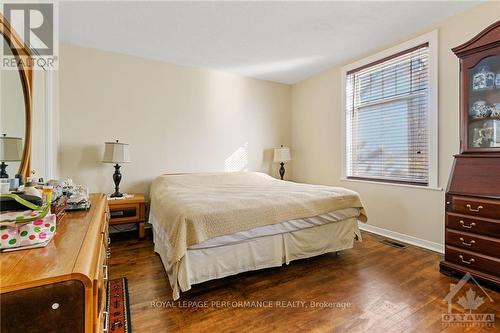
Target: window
point(389, 125)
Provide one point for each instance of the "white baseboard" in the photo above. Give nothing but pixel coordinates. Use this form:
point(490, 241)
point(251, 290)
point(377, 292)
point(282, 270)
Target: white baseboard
point(436, 247)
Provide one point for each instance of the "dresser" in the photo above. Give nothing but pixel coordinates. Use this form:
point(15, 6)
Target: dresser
point(472, 227)
point(61, 287)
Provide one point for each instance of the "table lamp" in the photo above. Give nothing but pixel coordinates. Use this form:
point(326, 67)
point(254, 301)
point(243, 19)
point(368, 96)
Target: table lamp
point(11, 150)
point(116, 152)
point(282, 155)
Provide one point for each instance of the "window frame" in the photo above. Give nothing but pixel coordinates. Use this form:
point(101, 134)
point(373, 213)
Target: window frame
point(431, 39)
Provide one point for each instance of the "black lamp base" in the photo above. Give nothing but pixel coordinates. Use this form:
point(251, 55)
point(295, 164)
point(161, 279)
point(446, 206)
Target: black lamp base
point(117, 177)
point(3, 172)
point(282, 170)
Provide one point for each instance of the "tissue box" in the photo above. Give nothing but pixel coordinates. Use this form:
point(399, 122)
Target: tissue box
point(38, 232)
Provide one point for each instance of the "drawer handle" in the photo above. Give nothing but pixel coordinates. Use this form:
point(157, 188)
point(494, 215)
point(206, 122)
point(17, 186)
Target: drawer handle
point(467, 244)
point(105, 272)
point(109, 240)
point(474, 209)
point(106, 321)
point(467, 226)
point(470, 261)
point(108, 253)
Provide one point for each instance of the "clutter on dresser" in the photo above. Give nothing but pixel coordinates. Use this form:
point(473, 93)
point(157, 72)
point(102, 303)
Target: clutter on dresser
point(14, 184)
point(30, 225)
point(58, 208)
point(27, 192)
point(59, 199)
point(7, 203)
point(78, 195)
point(30, 189)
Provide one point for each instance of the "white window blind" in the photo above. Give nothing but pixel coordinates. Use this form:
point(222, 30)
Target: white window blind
point(387, 117)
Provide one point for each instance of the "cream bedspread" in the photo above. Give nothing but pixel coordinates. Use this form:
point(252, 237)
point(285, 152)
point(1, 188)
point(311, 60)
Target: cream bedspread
point(192, 208)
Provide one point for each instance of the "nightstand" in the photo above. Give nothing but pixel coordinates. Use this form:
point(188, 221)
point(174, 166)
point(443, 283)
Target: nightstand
point(128, 210)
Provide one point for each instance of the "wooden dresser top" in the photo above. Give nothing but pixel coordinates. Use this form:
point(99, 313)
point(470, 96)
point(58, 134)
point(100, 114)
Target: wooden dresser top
point(67, 256)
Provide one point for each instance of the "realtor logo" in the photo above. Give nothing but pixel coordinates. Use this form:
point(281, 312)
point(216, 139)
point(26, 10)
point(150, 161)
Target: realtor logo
point(35, 24)
point(470, 300)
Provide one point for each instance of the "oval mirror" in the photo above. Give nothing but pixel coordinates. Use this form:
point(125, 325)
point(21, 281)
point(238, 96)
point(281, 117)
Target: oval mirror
point(15, 105)
point(12, 119)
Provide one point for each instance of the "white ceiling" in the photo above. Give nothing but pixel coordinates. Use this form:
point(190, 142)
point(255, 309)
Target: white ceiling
point(277, 41)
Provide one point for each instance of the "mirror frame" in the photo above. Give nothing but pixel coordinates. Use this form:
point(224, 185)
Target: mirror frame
point(23, 56)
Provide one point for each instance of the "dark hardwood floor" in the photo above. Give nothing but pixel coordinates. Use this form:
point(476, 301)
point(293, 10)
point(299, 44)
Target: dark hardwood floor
point(371, 288)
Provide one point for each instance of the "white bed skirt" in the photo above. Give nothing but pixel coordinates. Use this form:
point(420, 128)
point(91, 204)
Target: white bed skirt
point(200, 265)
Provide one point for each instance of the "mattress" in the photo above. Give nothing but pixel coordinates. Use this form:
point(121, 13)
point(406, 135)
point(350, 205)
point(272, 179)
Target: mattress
point(194, 208)
point(280, 228)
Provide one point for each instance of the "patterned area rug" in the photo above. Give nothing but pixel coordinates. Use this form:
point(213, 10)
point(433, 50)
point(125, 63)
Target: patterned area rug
point(118, 306)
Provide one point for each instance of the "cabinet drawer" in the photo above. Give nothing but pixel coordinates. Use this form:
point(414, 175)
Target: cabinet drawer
point(57, 307)
point(473, 242)
point(476, 207)
point(100, 289)
point(472, 260)
point(465, 223)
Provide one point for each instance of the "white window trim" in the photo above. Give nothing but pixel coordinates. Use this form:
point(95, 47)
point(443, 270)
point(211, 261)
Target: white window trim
point(432, 39)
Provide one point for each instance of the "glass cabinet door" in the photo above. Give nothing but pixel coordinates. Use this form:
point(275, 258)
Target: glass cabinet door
point(483, 120)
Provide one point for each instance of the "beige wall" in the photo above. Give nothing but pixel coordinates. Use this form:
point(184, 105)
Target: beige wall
point(316, 118)
point(176, 119)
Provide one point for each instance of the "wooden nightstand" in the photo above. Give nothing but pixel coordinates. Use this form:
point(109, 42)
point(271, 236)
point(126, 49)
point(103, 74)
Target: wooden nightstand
point(129, 210)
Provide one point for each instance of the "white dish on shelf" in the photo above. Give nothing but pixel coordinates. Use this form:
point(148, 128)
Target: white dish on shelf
point(483, 80)
point(495, 110)
point(480, 110)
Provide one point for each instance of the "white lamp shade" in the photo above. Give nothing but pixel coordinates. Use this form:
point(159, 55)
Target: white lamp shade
point(11, 149)
point(282, 154)
point(116, 152)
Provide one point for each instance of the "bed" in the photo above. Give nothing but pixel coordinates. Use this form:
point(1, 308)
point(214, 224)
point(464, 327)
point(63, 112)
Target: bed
point(211, 225)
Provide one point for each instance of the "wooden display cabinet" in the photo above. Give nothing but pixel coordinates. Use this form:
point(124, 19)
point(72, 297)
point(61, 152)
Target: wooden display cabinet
point(472, 228)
